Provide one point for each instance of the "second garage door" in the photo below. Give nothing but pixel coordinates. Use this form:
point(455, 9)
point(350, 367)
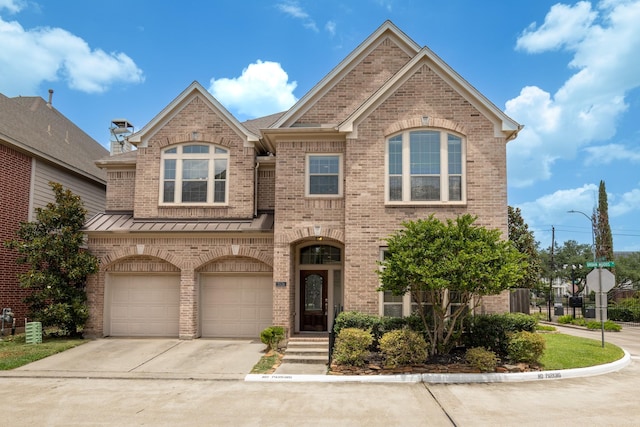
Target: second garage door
point(144, 306)
point(236, 306)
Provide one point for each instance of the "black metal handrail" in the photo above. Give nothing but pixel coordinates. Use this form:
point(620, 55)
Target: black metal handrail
point(337, 309)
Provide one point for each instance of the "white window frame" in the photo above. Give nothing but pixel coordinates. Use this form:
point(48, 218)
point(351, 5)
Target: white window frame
point(308, 174)
point(180, 157)
point(444, 174)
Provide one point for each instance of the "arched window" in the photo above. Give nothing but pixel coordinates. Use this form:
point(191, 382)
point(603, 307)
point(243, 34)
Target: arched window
point(425, 166)
point(194, 174)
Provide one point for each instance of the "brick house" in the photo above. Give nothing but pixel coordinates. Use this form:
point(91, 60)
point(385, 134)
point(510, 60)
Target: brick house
point(216, 228)
point(37, 145)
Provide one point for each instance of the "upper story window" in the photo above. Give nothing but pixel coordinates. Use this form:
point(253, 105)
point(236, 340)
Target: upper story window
point(324, 175)
point(425, 166)
point(194, 174)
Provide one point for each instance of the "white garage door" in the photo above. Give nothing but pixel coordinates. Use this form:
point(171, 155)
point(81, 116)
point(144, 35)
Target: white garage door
point(144, 306)
point(236, 306)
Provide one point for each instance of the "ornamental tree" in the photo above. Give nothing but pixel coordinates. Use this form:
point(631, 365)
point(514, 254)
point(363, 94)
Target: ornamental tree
point(58, 267)
point(447, 267)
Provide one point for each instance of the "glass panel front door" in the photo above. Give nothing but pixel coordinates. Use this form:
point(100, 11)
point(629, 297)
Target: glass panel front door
point(313, 300)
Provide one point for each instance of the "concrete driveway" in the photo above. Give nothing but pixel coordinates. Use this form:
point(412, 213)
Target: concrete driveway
point(161, 358)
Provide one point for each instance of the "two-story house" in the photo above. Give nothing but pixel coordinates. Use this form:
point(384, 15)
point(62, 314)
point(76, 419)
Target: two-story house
point(216, 228)
point(38, 144)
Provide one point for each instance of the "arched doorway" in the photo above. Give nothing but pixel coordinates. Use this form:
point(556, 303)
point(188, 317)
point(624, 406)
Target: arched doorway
point(319, 286)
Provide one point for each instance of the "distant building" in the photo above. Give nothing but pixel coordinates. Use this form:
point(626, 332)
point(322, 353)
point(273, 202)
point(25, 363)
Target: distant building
point(38, 145)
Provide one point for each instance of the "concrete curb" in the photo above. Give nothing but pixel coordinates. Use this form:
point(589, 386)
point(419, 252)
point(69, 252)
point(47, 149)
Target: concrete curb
point(450, 378)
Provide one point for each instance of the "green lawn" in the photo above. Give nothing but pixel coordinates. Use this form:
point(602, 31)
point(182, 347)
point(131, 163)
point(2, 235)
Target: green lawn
point(14, 352)
point(567, 352)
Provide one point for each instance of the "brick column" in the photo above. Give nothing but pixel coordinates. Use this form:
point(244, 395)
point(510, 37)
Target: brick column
point(189, 292)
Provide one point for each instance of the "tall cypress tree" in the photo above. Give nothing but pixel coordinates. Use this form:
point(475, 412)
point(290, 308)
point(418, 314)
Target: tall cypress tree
point(604, 240)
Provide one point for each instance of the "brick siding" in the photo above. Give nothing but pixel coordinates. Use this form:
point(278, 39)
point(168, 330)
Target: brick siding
point(15, 176)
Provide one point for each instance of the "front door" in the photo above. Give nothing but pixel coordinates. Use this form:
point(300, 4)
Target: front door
point(313, 300)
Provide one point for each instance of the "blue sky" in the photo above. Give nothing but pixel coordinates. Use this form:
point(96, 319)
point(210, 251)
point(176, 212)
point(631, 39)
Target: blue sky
point(569, 71)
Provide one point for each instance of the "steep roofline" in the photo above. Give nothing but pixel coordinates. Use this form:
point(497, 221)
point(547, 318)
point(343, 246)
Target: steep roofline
point(508, 127)
point(173, 107)
point(344, 66)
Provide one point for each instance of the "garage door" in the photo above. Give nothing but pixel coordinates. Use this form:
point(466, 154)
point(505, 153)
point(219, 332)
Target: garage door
point(236, 306)
point(144, 306)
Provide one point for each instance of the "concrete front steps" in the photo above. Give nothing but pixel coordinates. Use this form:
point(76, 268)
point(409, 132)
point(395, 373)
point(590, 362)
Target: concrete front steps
point(307, 349)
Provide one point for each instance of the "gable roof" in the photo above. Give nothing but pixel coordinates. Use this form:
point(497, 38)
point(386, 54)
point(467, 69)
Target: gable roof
point(31, 125)
point(504, 125)
point(387, 29)
point(194, 89)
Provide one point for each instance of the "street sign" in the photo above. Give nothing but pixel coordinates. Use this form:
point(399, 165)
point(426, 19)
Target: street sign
point(601, 280)
point(601, 264)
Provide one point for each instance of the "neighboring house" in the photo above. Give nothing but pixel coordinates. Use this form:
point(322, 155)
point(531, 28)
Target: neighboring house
point(216, 228)
point(38, 145)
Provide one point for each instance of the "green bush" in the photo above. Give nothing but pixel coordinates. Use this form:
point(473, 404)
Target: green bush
point(624, 312)
point(580, 321)
point(403, 347)
point(566, 319)
point(272, 336)
point(481, 358)
point(492, 331)
point(352, 346)
point(377, 325)
point(355, 319)
point(608, 325)
point(526, 346)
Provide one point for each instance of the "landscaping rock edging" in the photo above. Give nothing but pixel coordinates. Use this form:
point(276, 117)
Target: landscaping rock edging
point(448, 378)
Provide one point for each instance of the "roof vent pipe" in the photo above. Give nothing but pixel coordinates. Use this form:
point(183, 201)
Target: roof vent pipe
point(50, 103)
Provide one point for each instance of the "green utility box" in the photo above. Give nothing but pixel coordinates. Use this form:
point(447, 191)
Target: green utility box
point(33, 333)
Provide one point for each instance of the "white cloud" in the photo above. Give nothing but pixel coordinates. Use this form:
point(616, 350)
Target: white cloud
point(626, 203)
point(12, 6)
point(563, 26)
point(30, 57)
point(557, 204)
point(586, 108)
point(262, 89)
point(293, 9)
point(330, 27)
point(606, 154)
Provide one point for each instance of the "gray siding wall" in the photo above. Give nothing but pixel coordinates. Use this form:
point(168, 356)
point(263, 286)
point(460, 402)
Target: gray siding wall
point(93, 195)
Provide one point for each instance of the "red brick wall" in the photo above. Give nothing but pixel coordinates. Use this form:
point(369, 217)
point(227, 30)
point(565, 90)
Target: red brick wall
point(15, 176)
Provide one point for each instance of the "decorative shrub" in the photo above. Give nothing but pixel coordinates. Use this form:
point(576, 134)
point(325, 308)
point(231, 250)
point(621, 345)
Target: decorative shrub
point(608, 325)
point(352, 346)
point(580, 321)
point(272, 336)
point(403, 347)
point(481, 358)
point(526, 346)
point(492, 331)
point(627, 310)
point(566, 319)
point(355, 319)
point(376, 325)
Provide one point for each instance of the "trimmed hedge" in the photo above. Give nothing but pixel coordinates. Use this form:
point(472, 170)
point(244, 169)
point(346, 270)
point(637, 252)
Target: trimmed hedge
point(377, 325)
point(493, 331)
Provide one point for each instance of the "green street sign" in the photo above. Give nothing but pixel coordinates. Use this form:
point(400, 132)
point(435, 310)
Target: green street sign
point(601, 264)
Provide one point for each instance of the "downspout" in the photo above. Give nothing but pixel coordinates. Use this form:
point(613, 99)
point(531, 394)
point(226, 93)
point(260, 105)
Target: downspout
point(255, 190)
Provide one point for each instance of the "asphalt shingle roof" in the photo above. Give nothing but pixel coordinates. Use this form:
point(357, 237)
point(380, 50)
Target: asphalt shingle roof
point(28, 124)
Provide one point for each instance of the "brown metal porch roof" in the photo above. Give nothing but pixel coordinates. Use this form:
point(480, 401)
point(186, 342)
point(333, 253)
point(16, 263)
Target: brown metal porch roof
point(125, 223)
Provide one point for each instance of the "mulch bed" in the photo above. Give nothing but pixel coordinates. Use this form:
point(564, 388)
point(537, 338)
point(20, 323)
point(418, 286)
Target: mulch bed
point(446, 364)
